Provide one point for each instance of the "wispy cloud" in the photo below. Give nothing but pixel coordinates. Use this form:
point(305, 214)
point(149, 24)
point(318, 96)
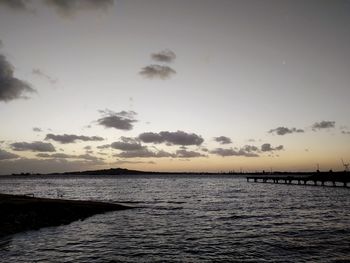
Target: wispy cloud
point(144, 153)
point(164, 56)
point(33, 146)
point(232, 152)
point(69, 8)
point(36, 129)
point(86, 157)
point(45, 76)
point(71, 138)
point(285, 130)
point(323, 125)
point(65, 8)
point(188, 154)
point(157, 71)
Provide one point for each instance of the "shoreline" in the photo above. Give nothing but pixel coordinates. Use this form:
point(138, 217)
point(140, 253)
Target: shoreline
point(21, 213)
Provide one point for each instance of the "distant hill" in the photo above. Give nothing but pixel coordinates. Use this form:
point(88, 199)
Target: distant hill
point(111, 171)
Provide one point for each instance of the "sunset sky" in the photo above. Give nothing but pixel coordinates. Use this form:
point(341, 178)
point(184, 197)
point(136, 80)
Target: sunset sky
point(184, 85)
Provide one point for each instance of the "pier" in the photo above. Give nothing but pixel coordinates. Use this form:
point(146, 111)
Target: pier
point(317, 179)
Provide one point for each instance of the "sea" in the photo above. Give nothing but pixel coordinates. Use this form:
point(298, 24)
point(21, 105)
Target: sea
point(186, 218)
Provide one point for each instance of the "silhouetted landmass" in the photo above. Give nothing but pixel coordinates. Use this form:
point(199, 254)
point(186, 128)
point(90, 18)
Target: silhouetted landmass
point(122, 171)
point(21, 213)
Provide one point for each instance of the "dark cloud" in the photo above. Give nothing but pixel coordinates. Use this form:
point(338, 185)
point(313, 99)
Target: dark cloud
point(345, 132)
point(285, 130)
point(144, 153)
point(33, 146)
point(266, 147)
point(188, 154)
point(4, 155)
point(11, 88)
point(323, 125)
point(36, 129)
point(164, 56)
point(223, 140)
point(119, 120)
point(151, 137)
point(157, 71)
point(172, 138)
point(45, 76)
point(68, 8)
point(71, 138)
point(231, 152)
point(127, 144)
point(18, 5)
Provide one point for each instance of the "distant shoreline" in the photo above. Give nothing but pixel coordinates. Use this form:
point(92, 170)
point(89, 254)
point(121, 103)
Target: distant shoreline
point(122, 171)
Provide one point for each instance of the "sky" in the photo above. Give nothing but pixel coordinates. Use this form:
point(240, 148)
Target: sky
point(187, 85)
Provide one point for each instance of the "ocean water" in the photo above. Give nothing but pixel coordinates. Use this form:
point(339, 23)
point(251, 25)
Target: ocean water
point(187, 219)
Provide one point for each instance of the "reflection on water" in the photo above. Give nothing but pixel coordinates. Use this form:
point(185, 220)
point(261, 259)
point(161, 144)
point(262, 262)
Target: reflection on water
point(188, 219)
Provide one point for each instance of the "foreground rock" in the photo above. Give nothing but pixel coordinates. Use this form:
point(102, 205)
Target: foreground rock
point(21, 213)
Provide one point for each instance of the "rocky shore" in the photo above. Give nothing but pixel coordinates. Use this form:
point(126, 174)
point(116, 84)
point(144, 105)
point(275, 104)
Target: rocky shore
point(22, 213)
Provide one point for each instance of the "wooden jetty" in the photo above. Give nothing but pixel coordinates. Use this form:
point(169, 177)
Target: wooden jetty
point(317, 179)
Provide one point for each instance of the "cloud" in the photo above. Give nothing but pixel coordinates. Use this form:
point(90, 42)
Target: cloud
point(40, 73)
point(266, 147)
point(323, 125)
point(119, 120)
point(54, 155)
point(86, 157)
point(172, 138)
point(157, 71)
point(164, 56)
point(34, 146)
point(1, 44)
point(223, 140)
point(11, 88)
point(285, 130)
point(105, 146)
point(68, 8)
point(250, 148)
point(121, 162)
point(127, 144)
point(144, 153)
point(71, 138)
point(46, 165)
point(17, 5)
point(231, 152)
point(4, 155)
point(36, 129)
point(345, 132)
point(188, 154)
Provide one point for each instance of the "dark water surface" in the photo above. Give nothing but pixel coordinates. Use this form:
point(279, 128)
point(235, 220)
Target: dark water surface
point(188, 219)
